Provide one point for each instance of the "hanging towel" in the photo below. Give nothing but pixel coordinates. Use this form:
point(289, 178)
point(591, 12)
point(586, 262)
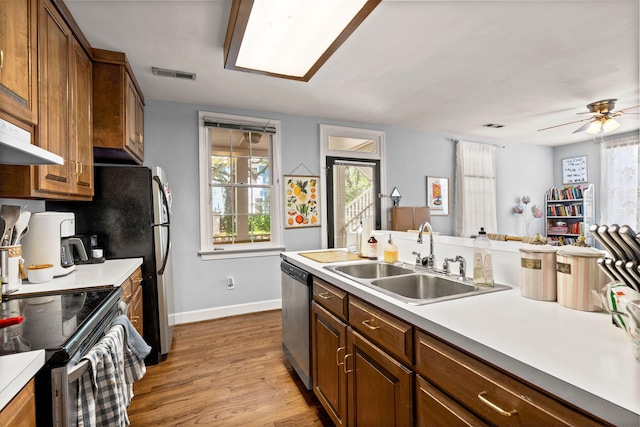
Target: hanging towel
point(135, 342)
point(103, 393)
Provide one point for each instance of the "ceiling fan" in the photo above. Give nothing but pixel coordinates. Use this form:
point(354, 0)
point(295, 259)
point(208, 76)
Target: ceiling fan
point(602, 117)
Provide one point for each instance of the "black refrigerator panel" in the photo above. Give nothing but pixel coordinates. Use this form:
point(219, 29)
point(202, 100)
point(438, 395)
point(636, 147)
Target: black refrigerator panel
point(122, 213)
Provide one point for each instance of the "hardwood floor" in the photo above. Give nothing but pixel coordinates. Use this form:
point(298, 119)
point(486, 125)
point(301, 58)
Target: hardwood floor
point(226, 372)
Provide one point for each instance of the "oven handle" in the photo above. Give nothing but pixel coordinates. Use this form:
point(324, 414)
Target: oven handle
point(76, 372)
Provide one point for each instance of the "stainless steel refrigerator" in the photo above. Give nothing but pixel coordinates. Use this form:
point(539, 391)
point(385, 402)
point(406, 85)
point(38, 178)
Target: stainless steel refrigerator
point(131, 214)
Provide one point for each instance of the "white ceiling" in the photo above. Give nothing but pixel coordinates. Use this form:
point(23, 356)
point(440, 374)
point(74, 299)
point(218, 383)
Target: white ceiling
point(442, 66)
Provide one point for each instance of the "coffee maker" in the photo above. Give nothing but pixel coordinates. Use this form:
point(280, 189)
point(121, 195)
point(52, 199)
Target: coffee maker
point(51, 241)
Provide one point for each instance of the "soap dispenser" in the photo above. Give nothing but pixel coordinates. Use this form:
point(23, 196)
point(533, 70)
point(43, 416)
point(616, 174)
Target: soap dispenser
point(482, 262)
point(390, 251)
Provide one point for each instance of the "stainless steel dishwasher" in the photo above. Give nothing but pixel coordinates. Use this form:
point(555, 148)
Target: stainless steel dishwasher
point(296, 328)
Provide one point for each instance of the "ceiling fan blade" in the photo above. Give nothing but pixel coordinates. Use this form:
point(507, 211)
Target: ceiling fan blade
point(624, 110)
point(585, 126)
point(564, 124)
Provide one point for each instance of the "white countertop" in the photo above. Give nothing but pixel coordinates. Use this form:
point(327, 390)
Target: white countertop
point(576, 355)
point(109, 273)
point(17, 369)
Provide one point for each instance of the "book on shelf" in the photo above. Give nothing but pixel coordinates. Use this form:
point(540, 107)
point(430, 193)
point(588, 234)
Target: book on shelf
point(568, 192)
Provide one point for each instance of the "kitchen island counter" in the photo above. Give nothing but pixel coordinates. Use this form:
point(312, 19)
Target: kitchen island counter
point(578, 356)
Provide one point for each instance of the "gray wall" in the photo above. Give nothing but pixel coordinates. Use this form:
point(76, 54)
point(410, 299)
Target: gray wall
point(171, 134)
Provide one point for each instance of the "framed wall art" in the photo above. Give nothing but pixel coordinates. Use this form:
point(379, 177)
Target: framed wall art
point(574, 170)
point(302, 201)
point(438, 195)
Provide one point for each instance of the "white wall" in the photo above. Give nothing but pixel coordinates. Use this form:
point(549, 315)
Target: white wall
point(171, 136)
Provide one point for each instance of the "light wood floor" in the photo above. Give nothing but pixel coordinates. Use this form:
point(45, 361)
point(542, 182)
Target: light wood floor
point(226, 372)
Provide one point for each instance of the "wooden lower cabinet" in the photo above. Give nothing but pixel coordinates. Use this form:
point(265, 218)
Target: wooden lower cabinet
point(132, 296)
point(21, 411)
point(356, 381)
point(380, 389)
point(329, 343)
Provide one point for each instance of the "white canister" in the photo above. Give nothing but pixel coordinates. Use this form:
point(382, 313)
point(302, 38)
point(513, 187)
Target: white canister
point(578, 275)
point(538, 272)
point(15, 268)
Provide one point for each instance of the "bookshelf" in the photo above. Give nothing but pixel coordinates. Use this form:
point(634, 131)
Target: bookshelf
point(569, 211)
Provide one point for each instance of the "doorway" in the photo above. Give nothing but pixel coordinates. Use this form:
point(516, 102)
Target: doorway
point(353, 186)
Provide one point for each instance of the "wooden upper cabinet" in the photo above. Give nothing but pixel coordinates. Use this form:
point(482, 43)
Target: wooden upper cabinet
point(64, 117)
point(118, 117)
point(18, 64)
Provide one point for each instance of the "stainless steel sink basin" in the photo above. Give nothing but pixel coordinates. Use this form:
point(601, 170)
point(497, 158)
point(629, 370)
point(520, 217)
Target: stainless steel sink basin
point(370, 270)
point(419, 289)
point(412, 286)
point(422, 286)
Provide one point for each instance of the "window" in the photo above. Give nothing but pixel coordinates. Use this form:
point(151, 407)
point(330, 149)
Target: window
point(620, 194)
point(239, 186)
point(475, 199)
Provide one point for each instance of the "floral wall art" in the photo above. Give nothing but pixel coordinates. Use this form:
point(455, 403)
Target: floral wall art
point(302, 201)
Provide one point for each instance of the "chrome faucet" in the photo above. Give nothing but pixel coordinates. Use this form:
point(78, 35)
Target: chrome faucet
point(429, 261)
point(463, 266)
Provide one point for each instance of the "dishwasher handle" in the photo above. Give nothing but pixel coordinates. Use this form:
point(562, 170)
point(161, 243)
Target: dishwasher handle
point(296, 273)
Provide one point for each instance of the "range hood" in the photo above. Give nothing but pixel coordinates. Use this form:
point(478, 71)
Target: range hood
point(16, 148)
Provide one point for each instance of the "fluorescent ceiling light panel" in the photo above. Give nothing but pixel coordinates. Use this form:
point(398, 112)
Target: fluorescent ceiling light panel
point(290, 38)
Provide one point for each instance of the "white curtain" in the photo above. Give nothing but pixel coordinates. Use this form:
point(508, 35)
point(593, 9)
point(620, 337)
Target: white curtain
point(620, 192)
point(475, 201)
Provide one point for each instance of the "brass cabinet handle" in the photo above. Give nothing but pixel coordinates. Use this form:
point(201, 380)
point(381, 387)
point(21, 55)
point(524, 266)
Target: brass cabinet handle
point(140, 139)
point(137, 280)
point(338, 356)
point(366, 323)
point(1, 58)
point(324, 295)
point(134, 319)
point(344, 366)
point(495, 407)
point(126, 296)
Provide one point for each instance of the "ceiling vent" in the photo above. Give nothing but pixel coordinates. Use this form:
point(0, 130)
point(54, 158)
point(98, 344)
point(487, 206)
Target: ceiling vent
point(493, 125)
point(173, 73)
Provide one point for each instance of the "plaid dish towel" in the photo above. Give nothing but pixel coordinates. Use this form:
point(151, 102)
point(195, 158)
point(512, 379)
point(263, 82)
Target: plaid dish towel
point(103, 392)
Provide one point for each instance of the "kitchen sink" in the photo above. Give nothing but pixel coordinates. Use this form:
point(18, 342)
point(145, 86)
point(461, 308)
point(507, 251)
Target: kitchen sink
point(370, 270)
point(412, 286)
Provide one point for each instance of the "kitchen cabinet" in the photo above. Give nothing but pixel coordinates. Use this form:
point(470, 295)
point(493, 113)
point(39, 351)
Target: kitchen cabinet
point(132, 296)
point(435, 408)
point(119, 110)
point(356, 380)
point(65, 118)
point(18, 62)
point(474, 388)
point(21, 411)
point(409, 218)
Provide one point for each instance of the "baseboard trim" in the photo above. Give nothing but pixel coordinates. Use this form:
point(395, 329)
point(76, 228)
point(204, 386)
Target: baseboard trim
point(229, 310)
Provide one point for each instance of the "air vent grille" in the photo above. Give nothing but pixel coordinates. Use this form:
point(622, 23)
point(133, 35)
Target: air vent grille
point(173, 73)
point(493, 125)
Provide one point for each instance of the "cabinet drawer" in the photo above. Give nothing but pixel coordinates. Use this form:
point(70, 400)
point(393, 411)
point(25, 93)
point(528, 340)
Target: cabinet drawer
point(330, 297)
point(394, 335)
point(435, 408)
point(489, 393)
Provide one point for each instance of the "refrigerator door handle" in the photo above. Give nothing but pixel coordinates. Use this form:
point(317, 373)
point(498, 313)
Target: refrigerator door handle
point(165, 203)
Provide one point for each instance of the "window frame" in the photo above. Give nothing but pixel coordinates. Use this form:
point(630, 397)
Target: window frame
point(208, 250)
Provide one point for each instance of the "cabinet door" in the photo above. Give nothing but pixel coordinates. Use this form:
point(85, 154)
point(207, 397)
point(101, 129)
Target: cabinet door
point(329, 342)
point(134, 119)
point(380, 389)
point(81, 149)
point(135, 309)
point(55, 40)
point(18, 69)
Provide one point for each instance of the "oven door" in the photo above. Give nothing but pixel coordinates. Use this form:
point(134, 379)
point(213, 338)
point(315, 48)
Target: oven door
point(64, 379)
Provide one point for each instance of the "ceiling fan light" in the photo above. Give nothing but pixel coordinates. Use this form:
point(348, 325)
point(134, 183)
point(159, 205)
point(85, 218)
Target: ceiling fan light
point(595, 127)
point(610, 125)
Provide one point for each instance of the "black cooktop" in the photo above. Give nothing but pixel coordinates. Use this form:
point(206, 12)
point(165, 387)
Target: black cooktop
point(54, 322)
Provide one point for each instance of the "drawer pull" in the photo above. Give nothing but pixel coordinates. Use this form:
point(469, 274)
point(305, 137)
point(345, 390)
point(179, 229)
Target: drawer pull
point(324, 295)
point(366, 323)
point(137, 280)
point(495, 407)
point(344, 366)
point(135, 319)
point(338, 356)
